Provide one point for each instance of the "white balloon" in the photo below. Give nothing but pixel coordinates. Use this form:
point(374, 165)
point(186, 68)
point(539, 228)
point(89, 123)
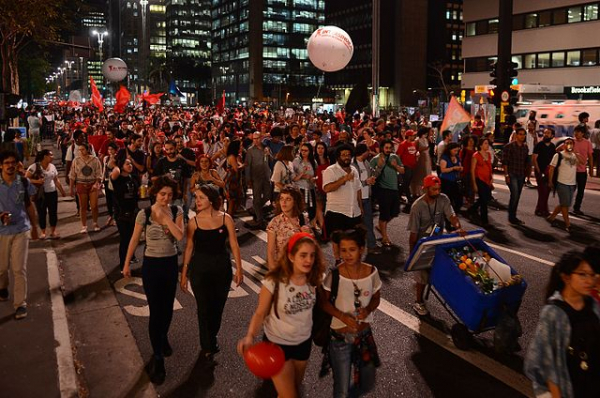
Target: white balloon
point(330, 48)
point(114, 69)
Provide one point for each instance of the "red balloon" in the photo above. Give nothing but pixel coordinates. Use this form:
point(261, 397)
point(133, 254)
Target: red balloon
point(264, 359)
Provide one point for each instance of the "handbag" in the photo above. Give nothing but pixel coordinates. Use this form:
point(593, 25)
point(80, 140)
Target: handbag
point(321, 328)
point(40, 194)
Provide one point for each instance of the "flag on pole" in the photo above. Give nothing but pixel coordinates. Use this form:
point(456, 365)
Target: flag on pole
point(456, 118)
point(151, 99)
point(96, 97)
point(221, 104)
point(174, 90)
point(123, 96)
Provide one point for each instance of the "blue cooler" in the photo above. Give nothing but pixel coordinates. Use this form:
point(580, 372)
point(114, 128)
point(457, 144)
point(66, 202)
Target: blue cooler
point(478, 311)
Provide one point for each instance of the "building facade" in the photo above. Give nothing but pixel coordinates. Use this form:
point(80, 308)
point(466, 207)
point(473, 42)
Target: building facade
point(188, 47)
point(554, 43)
point(259, 50)
point(403, 65)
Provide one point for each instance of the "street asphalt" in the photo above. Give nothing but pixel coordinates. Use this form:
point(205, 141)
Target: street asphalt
point(419, 358)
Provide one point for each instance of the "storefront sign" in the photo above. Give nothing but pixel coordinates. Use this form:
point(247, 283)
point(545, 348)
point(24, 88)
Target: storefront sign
point(584, 90)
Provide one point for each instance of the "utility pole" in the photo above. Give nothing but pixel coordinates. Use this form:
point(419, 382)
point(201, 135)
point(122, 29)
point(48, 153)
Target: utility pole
point(505, 17)
point(375, 59)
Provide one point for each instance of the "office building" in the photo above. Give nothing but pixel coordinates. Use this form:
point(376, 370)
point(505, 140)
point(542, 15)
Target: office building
point(187, 24)
point(259, 50)
point(555, 45)
point(403, 65)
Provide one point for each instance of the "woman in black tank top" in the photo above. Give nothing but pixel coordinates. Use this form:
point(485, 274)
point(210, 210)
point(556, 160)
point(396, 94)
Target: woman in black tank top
point(207, 263)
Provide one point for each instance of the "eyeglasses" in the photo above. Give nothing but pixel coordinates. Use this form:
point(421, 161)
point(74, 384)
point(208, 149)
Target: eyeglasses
point(586, 275)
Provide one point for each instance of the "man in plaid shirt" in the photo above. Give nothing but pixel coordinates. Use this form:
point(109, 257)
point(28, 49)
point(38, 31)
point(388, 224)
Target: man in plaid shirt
point(514, 160)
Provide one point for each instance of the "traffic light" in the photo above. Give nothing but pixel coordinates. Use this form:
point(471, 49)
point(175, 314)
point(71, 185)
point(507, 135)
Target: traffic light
point(494, 74)
point(8, 106)
point(512, 70)
point(492, 97)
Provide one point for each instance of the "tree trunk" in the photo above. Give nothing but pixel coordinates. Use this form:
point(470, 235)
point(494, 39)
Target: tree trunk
point(5, 68)
point(14, 71)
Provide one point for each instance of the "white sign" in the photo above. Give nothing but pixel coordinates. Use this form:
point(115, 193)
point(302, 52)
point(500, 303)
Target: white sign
point(585, 90)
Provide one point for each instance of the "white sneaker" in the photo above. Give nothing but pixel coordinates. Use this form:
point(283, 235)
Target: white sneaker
point(420, 309)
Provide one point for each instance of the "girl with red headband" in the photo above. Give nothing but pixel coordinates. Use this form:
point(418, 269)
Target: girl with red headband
point(285, 307)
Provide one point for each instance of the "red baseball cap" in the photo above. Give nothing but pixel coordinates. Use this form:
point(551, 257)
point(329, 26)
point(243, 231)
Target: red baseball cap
point(430, 181)
point(409, 133)
point(160, 134)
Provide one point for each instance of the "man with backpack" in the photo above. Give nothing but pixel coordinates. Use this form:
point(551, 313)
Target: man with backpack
point(17, 219)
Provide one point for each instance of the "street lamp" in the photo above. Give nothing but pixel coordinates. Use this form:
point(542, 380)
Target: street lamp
point(142, 53)
point(100, 36)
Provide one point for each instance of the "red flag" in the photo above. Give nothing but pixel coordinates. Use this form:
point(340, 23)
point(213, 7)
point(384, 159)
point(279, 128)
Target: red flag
point(221, 104)
point(96, 97)
point(151, 99)
point(123, 96)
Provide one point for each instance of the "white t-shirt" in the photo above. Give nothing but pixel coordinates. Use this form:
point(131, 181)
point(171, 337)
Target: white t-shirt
point(344, 199)
point(49, 175)
point(282, 173)
point(73, 152)
point(295, 307)
point(364, 175)
point(345, 296)
point(567, 172)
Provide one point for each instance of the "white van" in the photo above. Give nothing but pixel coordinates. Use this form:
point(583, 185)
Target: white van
point(562, 117)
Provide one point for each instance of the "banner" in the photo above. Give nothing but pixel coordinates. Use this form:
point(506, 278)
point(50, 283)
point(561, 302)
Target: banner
point(123, 96)
point(96, 97)
point(456, 118)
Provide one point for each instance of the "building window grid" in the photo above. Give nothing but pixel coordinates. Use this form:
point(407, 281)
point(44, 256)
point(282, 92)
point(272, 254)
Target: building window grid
point(559, 16)
point(588, 57)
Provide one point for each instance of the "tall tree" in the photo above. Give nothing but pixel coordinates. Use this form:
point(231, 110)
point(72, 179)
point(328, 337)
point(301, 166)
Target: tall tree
point(23, 22)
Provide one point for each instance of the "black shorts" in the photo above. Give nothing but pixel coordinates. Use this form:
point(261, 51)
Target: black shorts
point(338, 222)
point(298, 352)
point(389, 203)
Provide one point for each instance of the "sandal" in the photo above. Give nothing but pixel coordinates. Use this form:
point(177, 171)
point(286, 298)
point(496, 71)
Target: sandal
point(55, 236)
point(96, 228)
point(83, 230)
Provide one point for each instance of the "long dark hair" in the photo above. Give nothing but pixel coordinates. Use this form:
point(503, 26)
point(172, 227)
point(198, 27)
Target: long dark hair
point(311, 156)
point(567, 264)
point(317, 160)
point(234, 148)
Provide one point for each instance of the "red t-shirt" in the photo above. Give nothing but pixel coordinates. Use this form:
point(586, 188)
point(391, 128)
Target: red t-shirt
point(408, 153)
point(483, 169)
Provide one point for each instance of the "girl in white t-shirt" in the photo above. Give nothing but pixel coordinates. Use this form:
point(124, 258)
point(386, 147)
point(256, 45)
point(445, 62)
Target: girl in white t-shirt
point(285, 307)
point(352, 350)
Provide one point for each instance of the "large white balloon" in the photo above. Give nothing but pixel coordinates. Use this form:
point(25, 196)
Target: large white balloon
point(114, 69)
point(330, 48)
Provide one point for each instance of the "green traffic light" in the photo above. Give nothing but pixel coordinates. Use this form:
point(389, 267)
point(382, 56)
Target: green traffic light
point(515, 82)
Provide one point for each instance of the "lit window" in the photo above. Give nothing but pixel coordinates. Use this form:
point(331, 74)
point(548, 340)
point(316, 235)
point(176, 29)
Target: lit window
point(574, 14)
point(573, 58)
point(543, 60)
point(529, 61)
point(558, 59)
point(590, 12)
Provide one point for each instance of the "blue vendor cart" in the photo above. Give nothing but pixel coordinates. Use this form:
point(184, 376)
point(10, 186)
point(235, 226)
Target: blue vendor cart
point(473, 310)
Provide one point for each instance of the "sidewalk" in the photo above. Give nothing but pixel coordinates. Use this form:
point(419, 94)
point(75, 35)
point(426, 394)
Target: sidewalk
point(104, 352)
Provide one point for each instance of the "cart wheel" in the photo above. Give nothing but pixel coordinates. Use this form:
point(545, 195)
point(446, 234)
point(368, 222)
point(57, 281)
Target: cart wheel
point(461, 336)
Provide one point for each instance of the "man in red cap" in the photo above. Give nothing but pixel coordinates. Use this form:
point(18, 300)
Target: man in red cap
point(407, 151)
point(427, 216)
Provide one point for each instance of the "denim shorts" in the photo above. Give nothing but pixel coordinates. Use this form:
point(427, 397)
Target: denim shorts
point(565, 194)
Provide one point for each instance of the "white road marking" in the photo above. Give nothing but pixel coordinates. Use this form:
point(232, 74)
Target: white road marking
point(259, 260)
point(495, 369)
point(121, 287)
point(67, 377)
point(528, 256)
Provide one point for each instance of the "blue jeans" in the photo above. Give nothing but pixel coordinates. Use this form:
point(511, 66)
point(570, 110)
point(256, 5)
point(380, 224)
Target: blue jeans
point(368, 221)
point(516, 187)
point(340, 353)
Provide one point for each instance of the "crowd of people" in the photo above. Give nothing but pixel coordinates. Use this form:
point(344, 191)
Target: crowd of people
point(314, 178)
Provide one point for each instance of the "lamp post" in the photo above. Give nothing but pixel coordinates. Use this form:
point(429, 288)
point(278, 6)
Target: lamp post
point(142, 53)
point(69, 65)
point(100, 36)
point(375, 59)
